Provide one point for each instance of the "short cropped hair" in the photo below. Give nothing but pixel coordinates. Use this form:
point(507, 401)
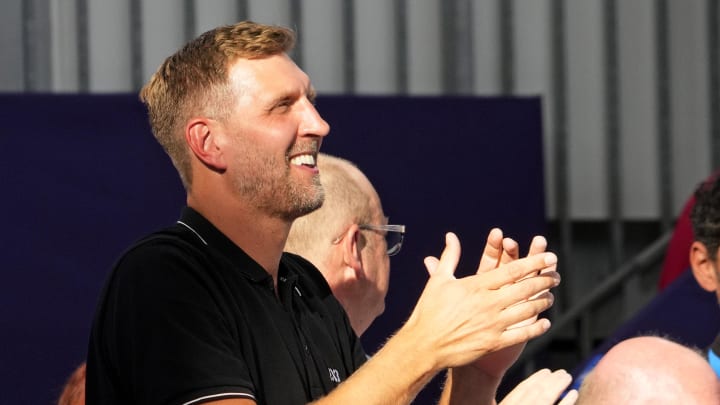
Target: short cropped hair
point(705, 216)
point(194, 81)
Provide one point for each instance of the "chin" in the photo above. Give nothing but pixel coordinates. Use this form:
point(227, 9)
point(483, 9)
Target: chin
point(300, 210)
point(309, 207)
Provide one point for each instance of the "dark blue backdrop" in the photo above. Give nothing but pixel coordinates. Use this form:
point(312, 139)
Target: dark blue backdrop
point(83, 177)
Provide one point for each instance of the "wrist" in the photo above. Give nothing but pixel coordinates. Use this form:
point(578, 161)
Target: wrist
point(419, 347)
point(467, 385)
point(473, 375)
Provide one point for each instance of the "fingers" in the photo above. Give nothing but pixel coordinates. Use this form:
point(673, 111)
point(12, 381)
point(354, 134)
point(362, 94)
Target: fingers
point(527, 388)
point(542, 387)
point(499, 250)
point(523, 312)
point(517, 270)
point(530, 285)
point(492, 252)
point(448, 260)
point(537, 245)
point(570, 398)
point(511, 251)
point(431, 264)
point(524, 333)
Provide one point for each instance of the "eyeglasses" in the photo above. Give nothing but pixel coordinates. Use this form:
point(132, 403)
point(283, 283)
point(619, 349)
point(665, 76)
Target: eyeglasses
point(394, 235)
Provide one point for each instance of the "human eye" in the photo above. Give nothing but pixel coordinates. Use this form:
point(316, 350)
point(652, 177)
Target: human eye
point(282, 105)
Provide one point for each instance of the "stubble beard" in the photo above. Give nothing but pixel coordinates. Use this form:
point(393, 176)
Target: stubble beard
point(278, 195)
point(304, 200)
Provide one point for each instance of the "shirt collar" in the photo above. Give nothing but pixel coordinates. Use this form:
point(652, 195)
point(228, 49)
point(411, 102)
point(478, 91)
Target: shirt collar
point(210, 236)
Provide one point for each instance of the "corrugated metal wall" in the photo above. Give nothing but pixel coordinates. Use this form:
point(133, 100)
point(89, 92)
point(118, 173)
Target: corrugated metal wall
point(631, 119)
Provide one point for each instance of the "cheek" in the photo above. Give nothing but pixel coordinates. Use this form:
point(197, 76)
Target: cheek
point(384, 272)
point(272, 134)
point(279, 128)
point(378, 269)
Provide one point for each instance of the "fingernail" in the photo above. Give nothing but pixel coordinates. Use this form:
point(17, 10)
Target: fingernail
point(550, 259)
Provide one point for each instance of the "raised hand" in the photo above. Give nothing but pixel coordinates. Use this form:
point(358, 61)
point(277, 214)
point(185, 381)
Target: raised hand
point(464, 319)
point(455, 322)
point(499, 250)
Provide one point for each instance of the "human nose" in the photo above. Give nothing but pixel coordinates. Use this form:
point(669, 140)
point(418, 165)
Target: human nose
point(312, 123)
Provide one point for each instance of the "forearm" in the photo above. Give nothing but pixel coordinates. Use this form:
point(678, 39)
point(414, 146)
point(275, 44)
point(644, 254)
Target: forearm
point(394, 375)
point(468, 385)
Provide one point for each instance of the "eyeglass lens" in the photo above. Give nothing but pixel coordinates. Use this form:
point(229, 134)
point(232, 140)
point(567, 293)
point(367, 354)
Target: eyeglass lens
point(394, 242)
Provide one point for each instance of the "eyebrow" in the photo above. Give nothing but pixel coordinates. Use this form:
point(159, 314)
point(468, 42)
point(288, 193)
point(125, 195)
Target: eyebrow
point(311, 94)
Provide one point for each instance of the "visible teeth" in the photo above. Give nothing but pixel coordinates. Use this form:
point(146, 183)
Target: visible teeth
point(308, 160)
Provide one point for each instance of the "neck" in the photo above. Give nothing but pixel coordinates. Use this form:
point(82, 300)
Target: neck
point(259, 236)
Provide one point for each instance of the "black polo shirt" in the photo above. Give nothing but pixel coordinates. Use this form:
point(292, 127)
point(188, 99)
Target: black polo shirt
point(187, 317)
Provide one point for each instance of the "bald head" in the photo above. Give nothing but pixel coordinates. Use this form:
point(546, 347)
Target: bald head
point(650, 370)
point(349, 198)
point(353, 261)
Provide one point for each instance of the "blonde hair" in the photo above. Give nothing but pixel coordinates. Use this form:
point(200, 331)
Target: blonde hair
point(345, 203)
point(194, 81)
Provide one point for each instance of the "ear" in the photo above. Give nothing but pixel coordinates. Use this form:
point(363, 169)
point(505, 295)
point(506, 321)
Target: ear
point(203, 137)
point(351, 248)
point(703, 267)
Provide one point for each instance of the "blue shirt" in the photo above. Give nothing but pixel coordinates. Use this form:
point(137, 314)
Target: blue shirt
point(713, 356)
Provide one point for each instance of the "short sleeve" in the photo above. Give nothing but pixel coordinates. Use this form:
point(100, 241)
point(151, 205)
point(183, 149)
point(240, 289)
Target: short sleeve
point(165, 326)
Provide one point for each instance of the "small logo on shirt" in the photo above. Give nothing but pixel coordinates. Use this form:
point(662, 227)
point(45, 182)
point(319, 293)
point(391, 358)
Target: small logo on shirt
point(334, 375)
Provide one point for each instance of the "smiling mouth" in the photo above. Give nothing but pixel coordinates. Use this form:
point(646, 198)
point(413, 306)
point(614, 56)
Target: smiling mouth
point(305, 159)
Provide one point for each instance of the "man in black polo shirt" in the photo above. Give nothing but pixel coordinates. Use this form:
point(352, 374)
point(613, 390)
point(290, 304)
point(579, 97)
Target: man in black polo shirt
point(210, 310)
